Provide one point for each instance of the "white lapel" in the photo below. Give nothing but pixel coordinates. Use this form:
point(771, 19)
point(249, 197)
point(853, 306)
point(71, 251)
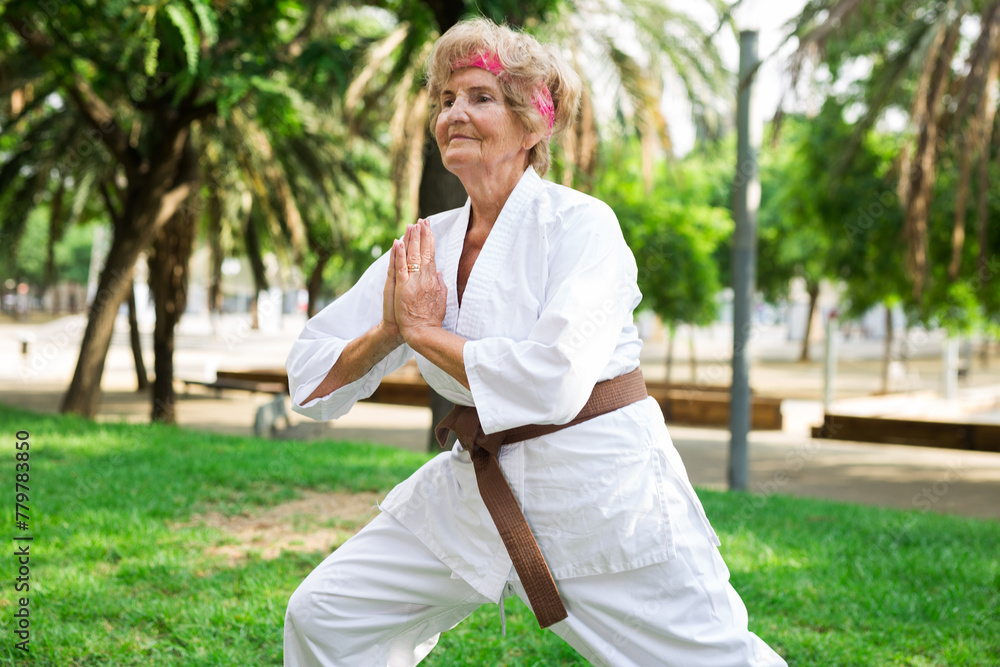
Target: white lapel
point(492, 258)
point(452, 247)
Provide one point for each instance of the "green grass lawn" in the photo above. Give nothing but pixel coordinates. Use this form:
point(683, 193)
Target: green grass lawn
point(115, 582)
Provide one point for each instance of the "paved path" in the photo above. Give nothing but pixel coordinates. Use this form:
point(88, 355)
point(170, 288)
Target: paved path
point(785, 462)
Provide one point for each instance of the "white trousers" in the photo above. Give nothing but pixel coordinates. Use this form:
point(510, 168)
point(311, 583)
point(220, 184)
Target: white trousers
point(383, 599)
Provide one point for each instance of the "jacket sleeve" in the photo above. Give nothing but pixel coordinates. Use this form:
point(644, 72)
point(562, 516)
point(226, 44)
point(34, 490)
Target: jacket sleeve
point(323, 340)
point(589, 297)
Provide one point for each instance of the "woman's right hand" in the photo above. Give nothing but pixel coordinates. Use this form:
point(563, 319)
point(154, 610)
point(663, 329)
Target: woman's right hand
point(389, 327)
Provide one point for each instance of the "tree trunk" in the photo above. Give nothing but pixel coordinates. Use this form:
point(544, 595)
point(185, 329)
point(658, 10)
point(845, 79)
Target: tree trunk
point(259, 271)
point(215, 245)
point(56, 228)
point(447, 13)
point(168, 277)
point(887, 358)
point(141, 379)
point(316, 282)
point(813, 289)
point(148, 204)
point(84, 392)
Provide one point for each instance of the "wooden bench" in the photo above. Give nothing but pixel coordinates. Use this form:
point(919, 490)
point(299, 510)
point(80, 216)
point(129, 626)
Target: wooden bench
point(681, 404)
point(403, 387)
point(948, 435)
point(265, 381)
point(251, 386)
point(688, 405)
point(693, 405)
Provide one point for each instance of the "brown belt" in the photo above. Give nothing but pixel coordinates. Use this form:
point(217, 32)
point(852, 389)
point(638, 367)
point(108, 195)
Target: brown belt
point(528, 561)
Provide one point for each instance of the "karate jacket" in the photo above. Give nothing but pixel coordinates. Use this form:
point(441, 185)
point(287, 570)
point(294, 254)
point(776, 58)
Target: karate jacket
point(547, 313)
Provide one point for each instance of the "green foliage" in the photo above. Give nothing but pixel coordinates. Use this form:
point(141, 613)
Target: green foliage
point(71, 253)
point(895, 44)
point(184, 21)
point(208, 20)
point(792, 242)
point(150, 61)
point(269, 113)
point(831, 217)
point(854, 201)
point(674, 234)
point(514, 12)
point(970, 303)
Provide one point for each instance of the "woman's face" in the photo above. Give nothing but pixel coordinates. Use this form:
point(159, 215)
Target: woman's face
point(475, 130)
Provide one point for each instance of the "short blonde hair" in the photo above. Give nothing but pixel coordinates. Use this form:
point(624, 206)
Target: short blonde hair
point(526, 64)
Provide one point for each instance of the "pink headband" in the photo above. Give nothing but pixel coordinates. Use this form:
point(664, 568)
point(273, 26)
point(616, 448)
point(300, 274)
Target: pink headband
point(541, 98)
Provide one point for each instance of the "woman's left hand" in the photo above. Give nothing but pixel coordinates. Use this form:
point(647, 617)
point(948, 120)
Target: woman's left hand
point(421, 296)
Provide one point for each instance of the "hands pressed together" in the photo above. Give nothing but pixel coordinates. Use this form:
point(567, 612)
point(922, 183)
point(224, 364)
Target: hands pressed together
point(415, 296)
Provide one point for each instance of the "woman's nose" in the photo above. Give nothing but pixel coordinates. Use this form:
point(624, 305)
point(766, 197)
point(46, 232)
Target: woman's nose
point(458, 111)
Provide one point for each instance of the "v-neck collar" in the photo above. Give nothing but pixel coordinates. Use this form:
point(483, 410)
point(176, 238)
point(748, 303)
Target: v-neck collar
point(468, 321)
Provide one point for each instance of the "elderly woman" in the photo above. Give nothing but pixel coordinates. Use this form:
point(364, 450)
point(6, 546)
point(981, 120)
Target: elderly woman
point(564, 487)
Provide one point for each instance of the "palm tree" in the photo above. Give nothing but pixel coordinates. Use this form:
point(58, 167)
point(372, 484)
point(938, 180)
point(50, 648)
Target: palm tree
point(938, 61)
point(178, 67)
point(626, 52)
point(47, 163)
point(280, 174)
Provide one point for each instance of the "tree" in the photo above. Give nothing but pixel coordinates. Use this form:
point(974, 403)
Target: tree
point(34, 257)
point(936, 62)
point(674, 235)
point(286, 177)
point(174, 65)
point(791, 242)
point(849, 204)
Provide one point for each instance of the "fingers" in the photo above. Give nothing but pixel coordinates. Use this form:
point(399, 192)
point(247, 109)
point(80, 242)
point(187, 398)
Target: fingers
point(413, 233)
point(398, 261)
point(426, 242)
point(419, 243)
point(391, 271)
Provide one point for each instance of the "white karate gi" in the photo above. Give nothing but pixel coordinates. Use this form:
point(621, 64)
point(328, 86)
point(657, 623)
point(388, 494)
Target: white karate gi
point(547, 313)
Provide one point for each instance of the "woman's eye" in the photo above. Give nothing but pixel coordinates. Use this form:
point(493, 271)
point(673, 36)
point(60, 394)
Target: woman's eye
point(484, 98)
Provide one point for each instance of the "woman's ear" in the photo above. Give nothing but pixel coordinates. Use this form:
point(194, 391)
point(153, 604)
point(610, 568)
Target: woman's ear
point(530, 140)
